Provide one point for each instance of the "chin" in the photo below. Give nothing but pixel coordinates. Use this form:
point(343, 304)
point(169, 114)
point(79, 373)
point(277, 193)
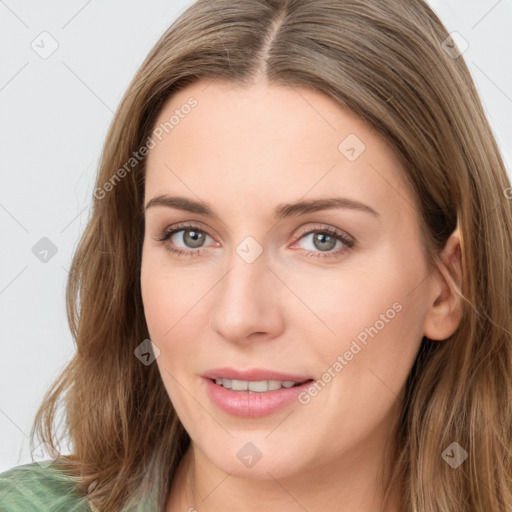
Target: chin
point(257, 458)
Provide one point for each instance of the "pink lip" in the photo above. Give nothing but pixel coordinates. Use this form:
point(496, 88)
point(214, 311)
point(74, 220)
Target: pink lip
point(254, 374)
point(252, 405)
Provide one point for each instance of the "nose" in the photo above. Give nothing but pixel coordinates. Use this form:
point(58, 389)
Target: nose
point(247, 302)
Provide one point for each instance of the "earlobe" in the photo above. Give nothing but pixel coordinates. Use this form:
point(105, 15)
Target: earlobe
point(445, 312)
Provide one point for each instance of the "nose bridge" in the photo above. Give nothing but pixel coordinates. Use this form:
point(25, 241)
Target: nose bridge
point(244, 300)
point(248, 270)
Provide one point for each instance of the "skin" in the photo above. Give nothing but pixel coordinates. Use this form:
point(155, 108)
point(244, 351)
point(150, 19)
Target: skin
point(244, 151)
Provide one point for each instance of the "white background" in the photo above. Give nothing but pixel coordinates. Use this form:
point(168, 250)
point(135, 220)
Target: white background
point(56, 112)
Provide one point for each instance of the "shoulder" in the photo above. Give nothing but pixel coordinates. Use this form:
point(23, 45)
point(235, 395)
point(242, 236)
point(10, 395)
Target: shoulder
point(40, 486)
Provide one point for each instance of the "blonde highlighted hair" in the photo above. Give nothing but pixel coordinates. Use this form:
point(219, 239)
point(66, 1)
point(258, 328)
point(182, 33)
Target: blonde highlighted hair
point(384, 61)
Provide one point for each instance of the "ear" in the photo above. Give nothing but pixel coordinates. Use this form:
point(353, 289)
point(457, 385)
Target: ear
point(445, 312)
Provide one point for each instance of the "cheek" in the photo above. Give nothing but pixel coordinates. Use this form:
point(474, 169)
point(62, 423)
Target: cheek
point(348, 302)
point(157, 303)
point(176, 304)
point(372, 316)
point(167, 295)
point(166, 303)
point(362, 368)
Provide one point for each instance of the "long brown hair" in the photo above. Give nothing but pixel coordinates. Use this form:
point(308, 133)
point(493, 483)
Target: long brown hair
point(387, 62)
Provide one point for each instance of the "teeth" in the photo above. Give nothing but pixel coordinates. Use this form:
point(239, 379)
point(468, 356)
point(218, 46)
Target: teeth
point(259, 386)
point(238, 385)
point(273, 385)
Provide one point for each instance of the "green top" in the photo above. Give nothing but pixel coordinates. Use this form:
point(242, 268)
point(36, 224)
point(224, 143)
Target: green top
point(43, 487)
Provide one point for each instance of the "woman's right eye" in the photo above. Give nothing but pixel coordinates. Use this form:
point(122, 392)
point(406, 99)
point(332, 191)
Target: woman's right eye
point(190, 235)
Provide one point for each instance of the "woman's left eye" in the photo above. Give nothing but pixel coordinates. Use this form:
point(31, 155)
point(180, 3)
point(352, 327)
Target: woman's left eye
point(324, 239)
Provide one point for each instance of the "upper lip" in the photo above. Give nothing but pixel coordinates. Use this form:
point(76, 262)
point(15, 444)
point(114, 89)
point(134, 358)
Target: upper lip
point(254, 374)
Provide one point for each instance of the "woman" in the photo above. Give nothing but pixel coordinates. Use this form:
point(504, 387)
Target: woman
point(294, 289)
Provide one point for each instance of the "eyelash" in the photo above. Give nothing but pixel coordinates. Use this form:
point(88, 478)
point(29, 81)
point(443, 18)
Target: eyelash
point(168, 233)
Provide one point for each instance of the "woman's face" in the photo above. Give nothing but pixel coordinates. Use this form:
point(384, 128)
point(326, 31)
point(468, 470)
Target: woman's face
point(270, 286)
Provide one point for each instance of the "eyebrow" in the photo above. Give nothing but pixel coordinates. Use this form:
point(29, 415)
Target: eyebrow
point(281, 211)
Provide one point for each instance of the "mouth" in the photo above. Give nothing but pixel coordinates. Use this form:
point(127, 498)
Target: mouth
point(257, 386)
point(254, 393)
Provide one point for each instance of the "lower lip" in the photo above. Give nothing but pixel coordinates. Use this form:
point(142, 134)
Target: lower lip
point(252, 405)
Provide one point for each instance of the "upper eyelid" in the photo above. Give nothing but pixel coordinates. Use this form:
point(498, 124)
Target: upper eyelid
point(324, 227)
point(183, 226)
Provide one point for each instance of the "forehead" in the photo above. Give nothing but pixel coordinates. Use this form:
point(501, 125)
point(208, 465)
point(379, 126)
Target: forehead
point(269, 141)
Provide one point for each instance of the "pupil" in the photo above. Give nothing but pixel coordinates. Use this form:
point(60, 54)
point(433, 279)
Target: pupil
point(320, 237)
point(196, 238)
